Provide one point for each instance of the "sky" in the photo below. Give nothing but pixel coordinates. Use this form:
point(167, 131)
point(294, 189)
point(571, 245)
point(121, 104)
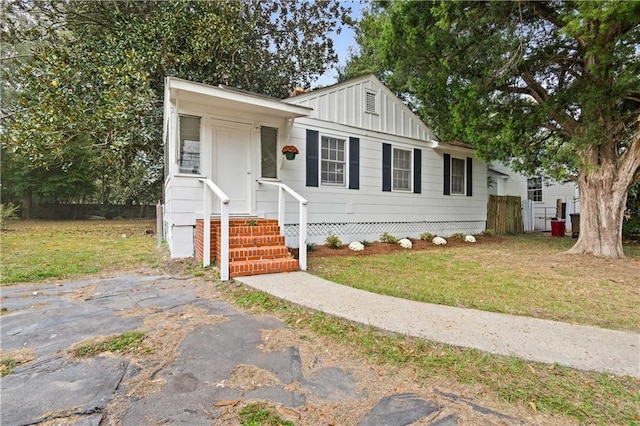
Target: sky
point(342, 42)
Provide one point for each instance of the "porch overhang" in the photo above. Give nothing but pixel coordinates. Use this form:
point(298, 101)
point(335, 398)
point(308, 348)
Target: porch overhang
point(231, 99)
point(453, 146)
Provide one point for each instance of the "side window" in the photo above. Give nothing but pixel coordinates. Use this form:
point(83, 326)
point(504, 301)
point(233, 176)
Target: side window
point(401, 169)
point(189, 160)
point(268, 152)
point(457, 176)
point(332, 161)
point(534, 189)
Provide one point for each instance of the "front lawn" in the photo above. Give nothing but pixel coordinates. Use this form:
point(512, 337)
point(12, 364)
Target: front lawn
point(521, 275)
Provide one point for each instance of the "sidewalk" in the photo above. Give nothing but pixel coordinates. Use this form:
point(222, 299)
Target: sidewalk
point(577, 346)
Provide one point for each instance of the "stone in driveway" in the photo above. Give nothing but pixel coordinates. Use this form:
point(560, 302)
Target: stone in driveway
point(59, 388)
point(399, 410)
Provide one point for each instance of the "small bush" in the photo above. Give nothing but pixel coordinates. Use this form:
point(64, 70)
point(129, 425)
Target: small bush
point(427, 236)
point(458, 235)
point(365, 243)
point(631, 229)
point(388, 238)
point(311, 246)
point(333, 241)
point(8, 212)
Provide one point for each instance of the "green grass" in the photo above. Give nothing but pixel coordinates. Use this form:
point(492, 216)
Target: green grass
point(259, 414)
point(521, 275)
point(128, 342)
point(585, 397)
point(7, 364)
point(35, 251)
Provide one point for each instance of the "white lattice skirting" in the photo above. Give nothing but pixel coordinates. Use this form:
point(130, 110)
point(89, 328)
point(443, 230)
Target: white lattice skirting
point(357, 231)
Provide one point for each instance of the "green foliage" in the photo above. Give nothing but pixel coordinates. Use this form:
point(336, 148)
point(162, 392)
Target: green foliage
point(122, 343)
point(311, 246)
point(85, 81)
point(7, 364)
point(333, 241)
point(388, 238)
point(458, 235)
point(365, 243)
point(427, 236)
point(260, 414)
point(252, 223)
point(8, 212)
point(631, 229)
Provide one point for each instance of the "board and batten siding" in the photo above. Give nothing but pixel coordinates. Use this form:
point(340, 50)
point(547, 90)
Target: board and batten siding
point(345, 103)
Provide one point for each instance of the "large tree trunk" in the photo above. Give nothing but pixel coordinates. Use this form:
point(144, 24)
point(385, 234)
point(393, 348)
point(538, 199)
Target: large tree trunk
point(601, 212)
point(603, 184)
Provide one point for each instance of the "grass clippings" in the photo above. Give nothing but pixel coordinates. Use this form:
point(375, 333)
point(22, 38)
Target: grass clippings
point(250, 377)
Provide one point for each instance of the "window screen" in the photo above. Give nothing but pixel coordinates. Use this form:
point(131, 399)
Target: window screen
point(268, 152)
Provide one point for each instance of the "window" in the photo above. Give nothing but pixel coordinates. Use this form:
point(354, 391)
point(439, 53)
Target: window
point(370, 102)
point(401, 170)
point(269, 152)
point(457, 175)
point(534, 189)
point(189, 161)
point(332, 168)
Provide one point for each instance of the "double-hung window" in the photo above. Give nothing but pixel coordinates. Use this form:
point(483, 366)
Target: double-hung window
point(332, 161)
point(457, 175)
point(534, 189)
point(402, 176)
point(189, 159)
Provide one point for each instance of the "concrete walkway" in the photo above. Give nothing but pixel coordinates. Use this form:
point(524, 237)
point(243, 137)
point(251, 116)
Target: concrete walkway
point(577, 346)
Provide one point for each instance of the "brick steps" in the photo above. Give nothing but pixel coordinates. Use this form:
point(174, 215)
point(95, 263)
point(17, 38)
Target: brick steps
point(255, 247)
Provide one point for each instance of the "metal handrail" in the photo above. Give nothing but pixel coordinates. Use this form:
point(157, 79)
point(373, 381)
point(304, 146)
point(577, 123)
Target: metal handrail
point(302, 202)
point(208, 185)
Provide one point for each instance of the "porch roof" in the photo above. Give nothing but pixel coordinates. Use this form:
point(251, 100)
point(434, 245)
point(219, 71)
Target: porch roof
point(232, 99)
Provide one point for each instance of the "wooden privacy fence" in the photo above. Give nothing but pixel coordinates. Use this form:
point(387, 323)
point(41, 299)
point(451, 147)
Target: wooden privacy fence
point(504, 214)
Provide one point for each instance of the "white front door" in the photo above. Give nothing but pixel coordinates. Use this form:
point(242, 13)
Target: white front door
point(232, 165)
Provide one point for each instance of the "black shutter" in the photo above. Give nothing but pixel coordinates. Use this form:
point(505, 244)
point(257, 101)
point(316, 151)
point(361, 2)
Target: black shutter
point(417, 171)
point(312, 157)
point(386, 167)
point(469, 176)
point(447, 174)
point(354, 163)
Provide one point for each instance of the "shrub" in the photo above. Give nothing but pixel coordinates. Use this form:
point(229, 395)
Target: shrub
point(365, 243)
point(333, 241)
point(631, 229)
point(8, 212)
point(311, 246)
point(388, 238)
point(427, 236)
point(458, 235)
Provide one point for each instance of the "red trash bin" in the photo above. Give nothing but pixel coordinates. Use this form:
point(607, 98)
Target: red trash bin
point(557, 228)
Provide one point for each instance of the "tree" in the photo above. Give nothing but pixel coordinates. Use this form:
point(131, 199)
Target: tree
point(550, 86)
point(93, 84)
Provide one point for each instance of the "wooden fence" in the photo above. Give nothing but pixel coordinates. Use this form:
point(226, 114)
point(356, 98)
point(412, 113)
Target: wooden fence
point(504, 214)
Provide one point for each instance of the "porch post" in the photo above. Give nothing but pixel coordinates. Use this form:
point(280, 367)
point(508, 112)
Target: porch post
point(224, 237)
point(302, 250)
point(281, 203)
point(206, 222)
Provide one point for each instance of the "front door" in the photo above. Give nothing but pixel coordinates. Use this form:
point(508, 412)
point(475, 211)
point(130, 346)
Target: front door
point(232, 165)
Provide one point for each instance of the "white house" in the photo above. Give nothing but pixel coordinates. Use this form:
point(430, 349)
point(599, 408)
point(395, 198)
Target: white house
point(366, 165)
point(541, 192)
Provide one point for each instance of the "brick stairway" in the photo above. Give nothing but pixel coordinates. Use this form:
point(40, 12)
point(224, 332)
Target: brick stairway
point(255, 247)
